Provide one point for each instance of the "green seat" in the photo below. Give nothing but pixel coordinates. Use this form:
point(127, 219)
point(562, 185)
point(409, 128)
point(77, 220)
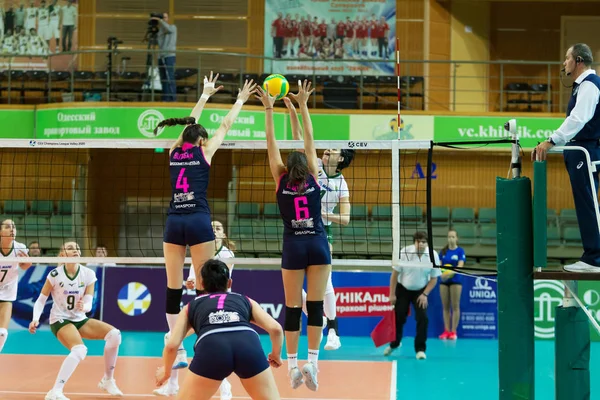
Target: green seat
point(248, 210)
point(572, 236)
point(42, 207)
point(568, 216)
point(35, 223)
point(463, 214)
point(358, 234)
point(553, 237)
point(62, 223)
point(380, 234)
point(381, 212)
point(467, 233)
point(271, 210)
point(487, 215)
point(440, 216)
point(273, 232)
point(488, 235)
point(552, 216)
point(239, 231)
point(411, 213)
point(359, 212)
point(15, 207)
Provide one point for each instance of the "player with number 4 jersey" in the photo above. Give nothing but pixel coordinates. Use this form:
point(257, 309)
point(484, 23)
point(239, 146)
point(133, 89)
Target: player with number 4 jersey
point(305, 248)
point(189, 221)
point(9, 274)
point(72, 288)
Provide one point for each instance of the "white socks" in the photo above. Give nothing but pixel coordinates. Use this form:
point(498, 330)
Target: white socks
point(68, 366)
point(174, 379)
point(292, 360)
point(172, 320)
point(313, 356)
point(3, 337)
point(329, 306)
point(111, 352)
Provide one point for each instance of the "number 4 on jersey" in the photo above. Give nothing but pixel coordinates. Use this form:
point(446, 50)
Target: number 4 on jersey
point(182, 182)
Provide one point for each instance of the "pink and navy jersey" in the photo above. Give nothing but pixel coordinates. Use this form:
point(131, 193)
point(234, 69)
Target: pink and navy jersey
point(190, 173)
point(219, 312)
point(301, 212)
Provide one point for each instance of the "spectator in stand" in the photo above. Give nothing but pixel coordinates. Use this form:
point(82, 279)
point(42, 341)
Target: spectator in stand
point(101, 252)
point(383, 29)
point(35, 249)
point(69, 24)
point(20, 17)
point(278, 33)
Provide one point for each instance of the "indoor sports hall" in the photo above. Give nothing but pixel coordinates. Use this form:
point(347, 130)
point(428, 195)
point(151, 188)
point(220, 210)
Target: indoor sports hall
point(439, 156)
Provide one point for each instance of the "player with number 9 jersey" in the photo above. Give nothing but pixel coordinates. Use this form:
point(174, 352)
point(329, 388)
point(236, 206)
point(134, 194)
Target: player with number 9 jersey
point(66, 292)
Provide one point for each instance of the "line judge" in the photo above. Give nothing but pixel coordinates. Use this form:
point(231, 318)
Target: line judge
point(580, 128)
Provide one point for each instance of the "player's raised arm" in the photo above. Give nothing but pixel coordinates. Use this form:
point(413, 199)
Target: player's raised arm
point(209, 90)
point(215, 142)
point(294, 120)
point(304, 92)
point(275, 161)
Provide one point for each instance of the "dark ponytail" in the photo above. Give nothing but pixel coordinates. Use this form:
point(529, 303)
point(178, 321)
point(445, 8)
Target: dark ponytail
point(297, 166)
point(215, 276)
point(174, 122)
point(347, 157)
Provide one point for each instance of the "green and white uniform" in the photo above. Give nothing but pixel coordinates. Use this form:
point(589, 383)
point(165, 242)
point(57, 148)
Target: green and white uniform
point(9, 273)
point(333, 188)
point(66, 292)
point(222, 254)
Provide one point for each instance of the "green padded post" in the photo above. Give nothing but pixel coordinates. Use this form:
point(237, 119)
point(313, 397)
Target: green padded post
point(540, 214)
point(572, 352)
point(515, 289)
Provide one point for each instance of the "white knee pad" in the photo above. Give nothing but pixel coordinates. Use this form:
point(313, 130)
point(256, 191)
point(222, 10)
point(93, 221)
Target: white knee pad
point(79, 352)
point(113, 338)
point(329, 288)
point(3, 333)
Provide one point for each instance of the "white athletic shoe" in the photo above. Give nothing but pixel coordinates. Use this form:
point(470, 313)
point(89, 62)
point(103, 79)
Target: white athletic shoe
point(166, 390)
point(580, 266)
point(56, 395)
point(181, 359)
point(296, 379)
point(226, 390)
point(421, 355)
point(389, 350)
point(333, 341)
point(309, 370)
point(110, 387)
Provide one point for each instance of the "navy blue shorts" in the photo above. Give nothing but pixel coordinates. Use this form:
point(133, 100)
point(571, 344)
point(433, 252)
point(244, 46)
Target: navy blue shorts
point(301, 253)
point(188, 229)
point(218, 355)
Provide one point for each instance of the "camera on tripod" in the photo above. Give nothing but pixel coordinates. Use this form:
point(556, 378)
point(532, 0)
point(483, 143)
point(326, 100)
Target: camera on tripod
point(152, 23)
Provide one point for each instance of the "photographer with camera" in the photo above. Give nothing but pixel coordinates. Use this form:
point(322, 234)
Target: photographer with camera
point(167, 43)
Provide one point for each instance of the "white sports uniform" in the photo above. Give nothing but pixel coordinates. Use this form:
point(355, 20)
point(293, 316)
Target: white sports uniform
point(222, 254)
point(9, 45)
point(44, 23)
point(30, 18)
point(333, 188)
point(37, 46)
point(9, 273)
point(54, 23)
point(67, 291)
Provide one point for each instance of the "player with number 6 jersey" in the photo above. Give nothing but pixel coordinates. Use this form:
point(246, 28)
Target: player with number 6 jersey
point(72, 288)
point(305, 247)
point(9, 274)
point(189, 221)
point(226, 342)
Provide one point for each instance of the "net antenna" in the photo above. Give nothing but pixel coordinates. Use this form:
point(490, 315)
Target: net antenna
point(515, 163)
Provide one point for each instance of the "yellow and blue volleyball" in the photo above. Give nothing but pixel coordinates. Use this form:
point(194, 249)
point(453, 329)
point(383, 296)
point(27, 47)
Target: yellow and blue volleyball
point(278, 86)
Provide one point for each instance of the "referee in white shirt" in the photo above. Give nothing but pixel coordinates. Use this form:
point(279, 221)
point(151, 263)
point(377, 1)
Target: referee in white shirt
point(581, 128)
point(413, 285)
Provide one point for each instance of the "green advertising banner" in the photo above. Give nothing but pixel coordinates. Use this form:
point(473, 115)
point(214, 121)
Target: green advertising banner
point(459, 128)
point(139, 123)
point(325, 126)
point(385, 127)
point(549, 294)
point(18, 124)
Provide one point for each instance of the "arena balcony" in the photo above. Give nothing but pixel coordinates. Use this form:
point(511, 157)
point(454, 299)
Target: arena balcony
point(429, 86)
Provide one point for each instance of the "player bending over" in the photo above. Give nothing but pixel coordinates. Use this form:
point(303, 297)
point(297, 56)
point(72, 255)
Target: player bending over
point(72, 289)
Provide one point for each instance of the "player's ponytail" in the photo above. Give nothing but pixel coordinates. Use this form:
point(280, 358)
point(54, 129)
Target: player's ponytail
point(297, 166)
point(215, 276)
point(230, 244)
point(174, 122)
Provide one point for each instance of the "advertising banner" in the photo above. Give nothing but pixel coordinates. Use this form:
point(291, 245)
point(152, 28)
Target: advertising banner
point(385, 127)
point(135, 299)
point(308, 36)
point(139, 123)
point(459, 128)
point(19, 124)
point(31, 282)
point(479, 308)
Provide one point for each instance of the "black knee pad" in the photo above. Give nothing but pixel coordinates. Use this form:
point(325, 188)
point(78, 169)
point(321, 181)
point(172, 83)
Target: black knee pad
point(174, 300)
point(314, 311)
point(292, 319)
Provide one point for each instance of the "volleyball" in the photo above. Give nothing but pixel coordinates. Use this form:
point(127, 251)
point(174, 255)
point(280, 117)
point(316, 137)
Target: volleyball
point(278, 86)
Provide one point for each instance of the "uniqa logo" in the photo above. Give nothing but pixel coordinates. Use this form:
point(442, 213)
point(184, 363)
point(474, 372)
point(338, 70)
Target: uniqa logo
point(148, 121)
point(482, 290)
point(547, 295)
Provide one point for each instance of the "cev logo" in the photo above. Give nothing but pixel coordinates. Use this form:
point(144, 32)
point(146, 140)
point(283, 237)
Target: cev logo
point(147, 121)
point(547, 295)
point(134, 299)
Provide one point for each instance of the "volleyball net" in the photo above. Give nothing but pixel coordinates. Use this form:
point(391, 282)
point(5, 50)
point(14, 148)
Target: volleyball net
point(115, 194)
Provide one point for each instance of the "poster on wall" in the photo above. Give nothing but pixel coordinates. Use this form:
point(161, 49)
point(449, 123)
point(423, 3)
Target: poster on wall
point(330, 37)
point(36, 30)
